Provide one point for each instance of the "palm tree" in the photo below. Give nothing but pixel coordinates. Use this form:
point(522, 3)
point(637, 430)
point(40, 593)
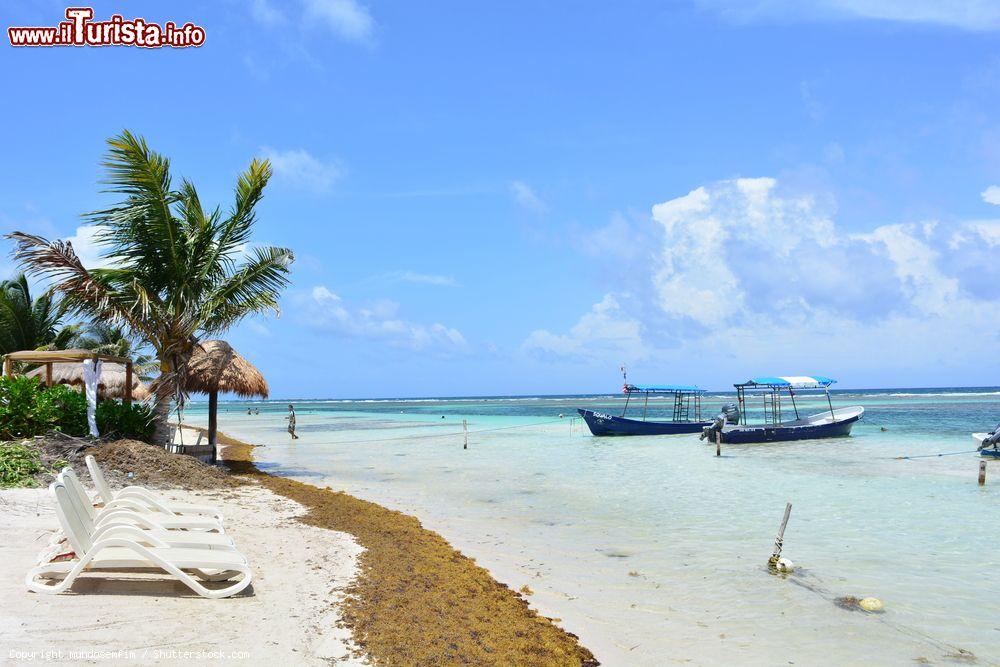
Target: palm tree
point(30, 324)
point(179, 273)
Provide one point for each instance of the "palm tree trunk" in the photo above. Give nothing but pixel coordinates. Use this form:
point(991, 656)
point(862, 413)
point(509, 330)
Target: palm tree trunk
point(161, 421)
point(163, 398)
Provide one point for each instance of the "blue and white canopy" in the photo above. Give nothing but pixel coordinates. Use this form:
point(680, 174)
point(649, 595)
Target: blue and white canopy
point(789, 382)
point(666, 389)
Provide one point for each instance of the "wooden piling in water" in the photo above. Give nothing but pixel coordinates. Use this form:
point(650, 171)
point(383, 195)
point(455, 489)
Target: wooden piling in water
point(465, 432)
point(982, 473)
point(718, 443)
point(780, 539)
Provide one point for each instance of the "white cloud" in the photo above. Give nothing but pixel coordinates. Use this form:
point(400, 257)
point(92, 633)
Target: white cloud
point(991, 195)
point(603, 332)
point(978, 15)
point(525, 197)
point(328, 312)
point(347, 18)
point(85, 246)
point(423, 278)
point(744, 270)
point(303, 170)
point(259, 328)
point(264, 12)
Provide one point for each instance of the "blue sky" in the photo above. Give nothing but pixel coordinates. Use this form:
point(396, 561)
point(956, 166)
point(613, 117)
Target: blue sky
point(516, 198)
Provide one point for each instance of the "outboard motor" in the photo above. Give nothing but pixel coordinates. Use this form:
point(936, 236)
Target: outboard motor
point(991, 439)
point(730, 415)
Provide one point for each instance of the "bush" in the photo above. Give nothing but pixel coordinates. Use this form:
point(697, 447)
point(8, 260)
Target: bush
point(28, 408)
point(23, 412)
point(70, 407)
point(118, 420)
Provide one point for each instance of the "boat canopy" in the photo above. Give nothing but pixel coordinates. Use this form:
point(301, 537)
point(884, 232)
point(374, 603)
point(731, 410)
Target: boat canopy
point(788, 382)
point(665, 389)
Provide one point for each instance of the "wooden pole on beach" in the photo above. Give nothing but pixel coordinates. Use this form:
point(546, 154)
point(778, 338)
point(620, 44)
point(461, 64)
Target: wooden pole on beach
point(982, 473)
point(465, 433)
point(213, 422)
point(718, 443)
point(780, 539)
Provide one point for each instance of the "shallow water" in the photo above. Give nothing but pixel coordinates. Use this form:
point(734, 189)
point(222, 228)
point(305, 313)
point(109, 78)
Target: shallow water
point(654, 550)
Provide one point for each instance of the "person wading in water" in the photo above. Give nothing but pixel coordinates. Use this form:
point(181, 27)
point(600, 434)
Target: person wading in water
point(291, 421)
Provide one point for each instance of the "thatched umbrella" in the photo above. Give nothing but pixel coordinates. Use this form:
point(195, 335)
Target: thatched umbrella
point(216, 367)
point(110, 385)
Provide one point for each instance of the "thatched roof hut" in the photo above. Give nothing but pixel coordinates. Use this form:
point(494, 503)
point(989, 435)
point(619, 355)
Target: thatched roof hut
point(215, 367)
point(110, 385)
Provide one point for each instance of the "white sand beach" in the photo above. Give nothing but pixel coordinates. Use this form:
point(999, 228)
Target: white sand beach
point(299, 574)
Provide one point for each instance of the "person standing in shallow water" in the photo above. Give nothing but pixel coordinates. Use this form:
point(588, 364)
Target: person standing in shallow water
point(291, 421)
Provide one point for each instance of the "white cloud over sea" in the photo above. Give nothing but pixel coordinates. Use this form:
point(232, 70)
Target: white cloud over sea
point(744, 269)
point(379, 321)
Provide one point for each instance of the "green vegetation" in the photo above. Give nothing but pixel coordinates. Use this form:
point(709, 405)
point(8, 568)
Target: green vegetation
point(28, 323)
point(180, 274)
point(18, 465)
point(27, 409)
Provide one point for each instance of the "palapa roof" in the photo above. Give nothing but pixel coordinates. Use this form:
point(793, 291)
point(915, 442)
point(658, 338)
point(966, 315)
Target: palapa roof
point(110, 385)
point(216, 367)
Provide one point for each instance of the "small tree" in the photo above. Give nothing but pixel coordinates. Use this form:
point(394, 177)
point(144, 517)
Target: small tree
point(178, 273)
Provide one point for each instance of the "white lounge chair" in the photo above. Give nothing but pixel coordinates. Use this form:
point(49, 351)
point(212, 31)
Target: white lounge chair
point(130, 509)
point(147, 522)
point(144, 495)
point(131, 553)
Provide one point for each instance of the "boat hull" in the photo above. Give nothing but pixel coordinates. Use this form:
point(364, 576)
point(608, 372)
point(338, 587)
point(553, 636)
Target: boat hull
point(811, 428)
point(989, 452)
point(605, 424)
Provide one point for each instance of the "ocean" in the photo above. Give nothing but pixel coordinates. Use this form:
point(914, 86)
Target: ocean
point(654, 551)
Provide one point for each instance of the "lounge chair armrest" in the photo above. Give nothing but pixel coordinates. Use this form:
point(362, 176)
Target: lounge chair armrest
point(124, 517)
point(127, 531)
point(140, 495)
point(134, 504)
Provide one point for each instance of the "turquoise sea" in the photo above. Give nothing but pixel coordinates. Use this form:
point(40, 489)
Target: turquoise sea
point(653, 550)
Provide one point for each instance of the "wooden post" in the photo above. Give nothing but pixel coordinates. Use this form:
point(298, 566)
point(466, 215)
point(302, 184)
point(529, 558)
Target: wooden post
point(982, 473)
point(48, 374)
point(8, 367)
point(213, 423)
point(780, 539)
point(718, 443)
point(465, 431)
point(128, 383)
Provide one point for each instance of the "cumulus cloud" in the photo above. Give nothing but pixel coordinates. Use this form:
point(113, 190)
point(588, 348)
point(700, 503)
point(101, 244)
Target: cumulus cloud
point(603, 331)
point(978, 15)
point(742, 267)
point(301, 169)
point(328, 312)
point(526, 198)
point(991, 195)
point(84, 242)
point(347, 18)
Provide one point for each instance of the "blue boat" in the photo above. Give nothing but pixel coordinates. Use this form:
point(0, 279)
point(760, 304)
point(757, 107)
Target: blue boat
point(686, 413)
point(778, 424)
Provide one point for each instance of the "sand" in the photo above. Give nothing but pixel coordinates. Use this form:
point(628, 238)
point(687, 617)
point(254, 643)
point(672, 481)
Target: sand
point(300, 572)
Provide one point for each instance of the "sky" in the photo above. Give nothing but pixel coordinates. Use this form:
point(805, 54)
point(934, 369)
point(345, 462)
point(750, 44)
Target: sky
point(519, 197)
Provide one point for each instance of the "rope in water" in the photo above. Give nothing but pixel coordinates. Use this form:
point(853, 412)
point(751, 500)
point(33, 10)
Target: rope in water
point(928, 456)
point(828, 595)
